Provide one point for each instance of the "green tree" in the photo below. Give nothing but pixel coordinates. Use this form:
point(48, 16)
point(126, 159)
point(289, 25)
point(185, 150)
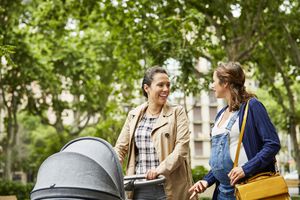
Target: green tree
point(262, 35)
point(95, 52)
point(15, 75)
point(158, 31)
point(79, 58)
point(277, 60)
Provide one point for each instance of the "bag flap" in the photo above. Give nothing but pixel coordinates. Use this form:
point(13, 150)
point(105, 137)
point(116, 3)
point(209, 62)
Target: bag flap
point(262, 188)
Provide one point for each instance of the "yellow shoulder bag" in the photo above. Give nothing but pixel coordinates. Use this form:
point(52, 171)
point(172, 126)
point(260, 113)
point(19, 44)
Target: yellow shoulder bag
point(267, 185)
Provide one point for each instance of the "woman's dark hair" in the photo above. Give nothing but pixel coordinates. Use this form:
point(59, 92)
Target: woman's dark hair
point(148, 77)
point(233, 74)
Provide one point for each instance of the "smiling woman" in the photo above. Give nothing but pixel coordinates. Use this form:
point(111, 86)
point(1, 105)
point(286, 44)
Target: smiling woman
point(157, 91)
point(156, 138)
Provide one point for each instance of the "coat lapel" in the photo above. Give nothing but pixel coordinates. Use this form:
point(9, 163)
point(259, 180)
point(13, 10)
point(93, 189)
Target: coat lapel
point(163, 117)
point(140, 111)
point(137, 114)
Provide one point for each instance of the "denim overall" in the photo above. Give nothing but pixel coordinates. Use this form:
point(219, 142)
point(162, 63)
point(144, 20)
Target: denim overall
point(220, 161)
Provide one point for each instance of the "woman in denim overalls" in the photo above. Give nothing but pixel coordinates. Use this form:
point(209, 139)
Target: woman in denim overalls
point(260, 142)
point(220, 160)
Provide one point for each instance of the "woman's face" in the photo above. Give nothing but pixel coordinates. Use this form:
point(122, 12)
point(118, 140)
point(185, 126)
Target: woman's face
point(219, 89)
point(159, 89)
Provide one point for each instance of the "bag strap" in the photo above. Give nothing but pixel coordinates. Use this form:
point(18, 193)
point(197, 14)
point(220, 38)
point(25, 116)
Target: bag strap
point(237, 154)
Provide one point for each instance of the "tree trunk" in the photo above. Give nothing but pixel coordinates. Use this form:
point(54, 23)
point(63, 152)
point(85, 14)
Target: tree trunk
point(8, 163)
point(291, 110)
point(59, 127)
point(12, 131)
point(296, 152)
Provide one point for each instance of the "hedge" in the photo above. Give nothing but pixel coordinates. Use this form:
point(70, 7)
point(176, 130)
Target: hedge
point(198, 173)
point(22, 191)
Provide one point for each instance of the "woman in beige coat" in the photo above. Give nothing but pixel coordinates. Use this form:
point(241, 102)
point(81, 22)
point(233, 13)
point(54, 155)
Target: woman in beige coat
point(156, 138)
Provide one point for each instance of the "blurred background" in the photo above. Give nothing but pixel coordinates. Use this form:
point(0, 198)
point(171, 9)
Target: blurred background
point(72, 68)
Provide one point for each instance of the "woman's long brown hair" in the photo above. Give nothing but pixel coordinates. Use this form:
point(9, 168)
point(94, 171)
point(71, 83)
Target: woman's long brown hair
point(233, 74)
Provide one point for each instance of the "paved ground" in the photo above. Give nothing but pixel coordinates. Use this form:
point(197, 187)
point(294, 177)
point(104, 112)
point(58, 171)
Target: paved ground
point(209, 192)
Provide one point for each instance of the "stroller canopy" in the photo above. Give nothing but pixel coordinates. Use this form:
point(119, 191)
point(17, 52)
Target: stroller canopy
point(85, 168)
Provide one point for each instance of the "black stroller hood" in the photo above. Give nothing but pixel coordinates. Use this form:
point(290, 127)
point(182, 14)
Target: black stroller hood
point(85, 168)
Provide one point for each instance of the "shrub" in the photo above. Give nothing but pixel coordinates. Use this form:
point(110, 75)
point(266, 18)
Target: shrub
point(199, 172)
point(22, 191)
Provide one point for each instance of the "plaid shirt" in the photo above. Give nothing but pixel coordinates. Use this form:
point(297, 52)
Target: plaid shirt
point(146, 155)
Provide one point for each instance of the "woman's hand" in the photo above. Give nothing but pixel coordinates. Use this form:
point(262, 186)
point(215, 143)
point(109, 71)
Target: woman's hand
point(236, 174)
point(198, 187)
point(151, 174)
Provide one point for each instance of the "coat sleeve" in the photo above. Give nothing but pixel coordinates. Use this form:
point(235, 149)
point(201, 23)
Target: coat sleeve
point(122, 143)
point(181, 150)
point(263, 137)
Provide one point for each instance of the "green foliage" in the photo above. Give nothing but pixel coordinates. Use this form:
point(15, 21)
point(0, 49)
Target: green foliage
point(295, 198)
point(40, 142)
point(110, 124)
point(264, 36)
point(81, 56)
point(198, 173)
point(22, 191)
point(97, 51)
point(272, 107)
point(6, 50)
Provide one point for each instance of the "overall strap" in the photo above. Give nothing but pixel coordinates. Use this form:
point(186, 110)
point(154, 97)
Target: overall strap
point(232, 120)
point(237, 154)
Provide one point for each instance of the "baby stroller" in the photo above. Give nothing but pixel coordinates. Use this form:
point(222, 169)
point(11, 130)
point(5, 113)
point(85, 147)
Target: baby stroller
point(85, 168)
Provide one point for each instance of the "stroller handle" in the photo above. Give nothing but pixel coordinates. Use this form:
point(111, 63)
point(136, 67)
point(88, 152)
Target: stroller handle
point(131, 180)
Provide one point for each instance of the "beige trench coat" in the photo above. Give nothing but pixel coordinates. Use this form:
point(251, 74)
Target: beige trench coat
point(171, 137)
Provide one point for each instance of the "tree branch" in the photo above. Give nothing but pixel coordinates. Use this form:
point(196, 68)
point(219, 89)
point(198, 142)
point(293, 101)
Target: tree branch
point(295, 50)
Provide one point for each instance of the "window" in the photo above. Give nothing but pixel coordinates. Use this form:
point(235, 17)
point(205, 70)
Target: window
point(197, 114)
point(212, 98)
point(197, 130)
point(212, 113)
point(198, 148)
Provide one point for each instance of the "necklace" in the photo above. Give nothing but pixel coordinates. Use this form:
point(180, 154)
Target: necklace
point(153, 114)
